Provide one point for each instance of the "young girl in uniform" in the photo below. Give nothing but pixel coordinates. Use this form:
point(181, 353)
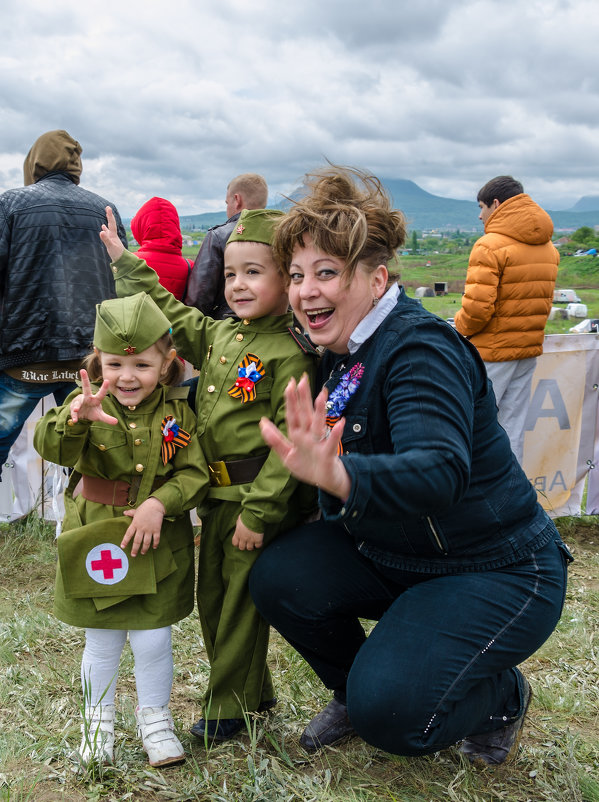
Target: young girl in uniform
point(126, 550)
point(244, 367)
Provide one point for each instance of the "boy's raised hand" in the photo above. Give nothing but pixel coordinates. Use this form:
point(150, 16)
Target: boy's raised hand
point(110, 237)
point(88, 406)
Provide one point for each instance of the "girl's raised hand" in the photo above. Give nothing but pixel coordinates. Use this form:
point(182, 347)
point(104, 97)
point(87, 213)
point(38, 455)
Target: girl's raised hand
point(110, 237)
point(88, 406)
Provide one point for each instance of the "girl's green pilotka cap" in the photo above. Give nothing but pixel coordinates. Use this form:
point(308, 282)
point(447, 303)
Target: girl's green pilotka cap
point(256, 225)
point(128, 325)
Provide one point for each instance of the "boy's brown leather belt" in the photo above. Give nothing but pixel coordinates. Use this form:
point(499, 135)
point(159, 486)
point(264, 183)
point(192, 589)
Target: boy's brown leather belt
point(235, 472)
point(115, 493)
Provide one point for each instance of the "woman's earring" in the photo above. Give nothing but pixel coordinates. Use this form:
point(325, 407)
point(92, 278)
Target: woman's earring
point(375, 301)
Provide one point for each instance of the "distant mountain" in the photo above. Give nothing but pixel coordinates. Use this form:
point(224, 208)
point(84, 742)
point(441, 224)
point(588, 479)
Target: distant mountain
point(588, 203)
point(563, 221)
point(425, 211)
point(192, 222)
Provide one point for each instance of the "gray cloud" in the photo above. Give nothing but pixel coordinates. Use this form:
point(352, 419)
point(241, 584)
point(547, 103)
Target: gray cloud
point(175, 99)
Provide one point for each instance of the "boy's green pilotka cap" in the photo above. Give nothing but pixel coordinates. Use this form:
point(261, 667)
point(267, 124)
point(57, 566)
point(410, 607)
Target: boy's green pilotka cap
point(128, 325)
point(256, 225)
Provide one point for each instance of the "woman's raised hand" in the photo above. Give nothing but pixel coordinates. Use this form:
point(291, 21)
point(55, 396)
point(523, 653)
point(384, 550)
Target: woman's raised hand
point(110, 237)
point(310, 449)
point(88, 406)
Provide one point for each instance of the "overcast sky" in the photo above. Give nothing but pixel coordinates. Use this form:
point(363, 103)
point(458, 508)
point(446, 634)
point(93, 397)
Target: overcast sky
point(175, 97)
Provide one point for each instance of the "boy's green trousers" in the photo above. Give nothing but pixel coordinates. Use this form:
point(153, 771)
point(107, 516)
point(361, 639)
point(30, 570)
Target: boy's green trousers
point(235, 634)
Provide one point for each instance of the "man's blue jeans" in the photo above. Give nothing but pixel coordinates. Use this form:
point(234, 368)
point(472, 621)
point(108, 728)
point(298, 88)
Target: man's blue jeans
point(18, 399)
point(440, 664)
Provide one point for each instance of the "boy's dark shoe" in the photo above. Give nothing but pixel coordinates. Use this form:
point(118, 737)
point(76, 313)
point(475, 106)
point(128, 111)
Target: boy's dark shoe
point(328, 727)
point(268, 704)
point(225, 728)
point(217, 729)
point(499, 746)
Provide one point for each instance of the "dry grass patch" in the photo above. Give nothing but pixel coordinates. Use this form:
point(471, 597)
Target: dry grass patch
point(40, 696)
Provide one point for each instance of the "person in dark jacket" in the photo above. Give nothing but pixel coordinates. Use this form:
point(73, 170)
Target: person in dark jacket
point(157, 229)
point(206, 288)
point(429, 525)
point(53, 272)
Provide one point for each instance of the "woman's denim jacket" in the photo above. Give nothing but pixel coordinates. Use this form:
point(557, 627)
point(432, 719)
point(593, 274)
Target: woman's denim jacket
point(435, 486)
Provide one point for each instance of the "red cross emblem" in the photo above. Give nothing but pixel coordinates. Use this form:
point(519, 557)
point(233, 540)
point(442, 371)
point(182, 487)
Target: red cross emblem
point(106, 564)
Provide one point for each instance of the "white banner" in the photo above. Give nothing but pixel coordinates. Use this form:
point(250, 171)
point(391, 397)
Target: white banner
point(21, 486)
point(561, 424)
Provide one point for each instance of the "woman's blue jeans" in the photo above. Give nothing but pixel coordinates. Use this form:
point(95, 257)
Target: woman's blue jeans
point(18, 399)
point(440, 664)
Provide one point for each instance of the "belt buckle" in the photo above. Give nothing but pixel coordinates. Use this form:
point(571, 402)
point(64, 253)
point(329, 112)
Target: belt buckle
point(219, 475)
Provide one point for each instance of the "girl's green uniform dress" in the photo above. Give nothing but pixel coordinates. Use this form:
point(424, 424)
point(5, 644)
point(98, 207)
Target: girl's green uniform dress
point(131, 452)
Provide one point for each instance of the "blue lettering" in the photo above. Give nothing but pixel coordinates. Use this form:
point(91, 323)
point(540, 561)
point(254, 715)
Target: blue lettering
point(558, 481)
point(536, 410)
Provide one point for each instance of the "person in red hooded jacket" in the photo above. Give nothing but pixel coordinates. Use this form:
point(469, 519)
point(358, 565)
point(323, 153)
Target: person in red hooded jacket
point(156, 227)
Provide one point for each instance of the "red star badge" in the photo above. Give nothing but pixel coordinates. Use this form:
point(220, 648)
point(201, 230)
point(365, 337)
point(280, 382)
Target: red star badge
point(130, 349)
point(240, 229)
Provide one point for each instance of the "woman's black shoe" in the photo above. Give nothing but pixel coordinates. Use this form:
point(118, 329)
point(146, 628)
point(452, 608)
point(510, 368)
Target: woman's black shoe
point(328, 727)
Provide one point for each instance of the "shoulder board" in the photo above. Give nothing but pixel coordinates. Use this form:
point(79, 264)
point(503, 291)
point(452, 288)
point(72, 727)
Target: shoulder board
point(173, 393)
point(303, 343)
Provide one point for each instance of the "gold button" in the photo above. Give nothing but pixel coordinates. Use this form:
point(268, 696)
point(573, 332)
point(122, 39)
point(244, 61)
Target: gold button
point(239, 337)
point(102, 447)
point(115, 270)
point(297, 328)
point(246, 322)
point(139, 467)
point(133, 425)
point(71, 422)
point(211, 388)
point(137, 442)
point(222, 360)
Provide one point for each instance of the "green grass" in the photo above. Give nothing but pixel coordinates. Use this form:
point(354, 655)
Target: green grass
point(40, 696)
point(578, 273)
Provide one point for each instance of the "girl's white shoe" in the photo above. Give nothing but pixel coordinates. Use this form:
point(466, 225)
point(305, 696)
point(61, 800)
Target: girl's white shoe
point(157, 730)
point(97, 734)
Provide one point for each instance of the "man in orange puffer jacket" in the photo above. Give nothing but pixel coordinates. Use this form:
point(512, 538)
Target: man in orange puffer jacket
point(508, 296)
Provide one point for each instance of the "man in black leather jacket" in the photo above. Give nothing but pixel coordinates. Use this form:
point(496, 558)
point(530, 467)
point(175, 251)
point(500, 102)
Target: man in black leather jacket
point(206, 288)
point(53, 271)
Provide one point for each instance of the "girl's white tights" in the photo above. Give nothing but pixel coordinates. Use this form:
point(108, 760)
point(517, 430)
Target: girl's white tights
point(153, 656)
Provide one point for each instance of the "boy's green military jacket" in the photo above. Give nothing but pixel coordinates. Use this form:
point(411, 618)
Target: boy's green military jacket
point(228, 428)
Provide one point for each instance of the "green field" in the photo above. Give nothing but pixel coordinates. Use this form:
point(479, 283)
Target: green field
point(577, 273)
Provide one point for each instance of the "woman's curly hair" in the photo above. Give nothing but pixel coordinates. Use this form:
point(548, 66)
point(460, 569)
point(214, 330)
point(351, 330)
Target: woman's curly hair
point(348, 214)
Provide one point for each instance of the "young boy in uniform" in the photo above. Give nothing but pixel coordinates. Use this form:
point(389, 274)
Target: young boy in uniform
point(244, 366)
